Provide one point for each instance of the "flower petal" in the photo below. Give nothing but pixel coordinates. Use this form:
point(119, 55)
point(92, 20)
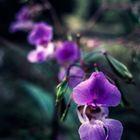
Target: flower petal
point(21, 25)
point(67, 52)
point(96, 90)
point(105, 93)
point(76, 75)
point(92, 132)
point(32, 56)
point(35, 56)
point(82, 94)
point(114, 128)
point(41, 34)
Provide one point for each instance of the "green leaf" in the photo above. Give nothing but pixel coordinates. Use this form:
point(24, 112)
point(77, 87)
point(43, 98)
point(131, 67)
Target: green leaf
point(40, 96)
point(119, 67)
point(61, 90)
point(66, 110)
point(92, 56)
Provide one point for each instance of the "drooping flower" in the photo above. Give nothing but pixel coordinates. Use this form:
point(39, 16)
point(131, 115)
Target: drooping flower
point(96, 125)
point(97, 90)
point(23, 21)
point(41, 53)
point(24, 18)
point(67, 53)
point(75, 75)
point(23, 14)
point(41, 34)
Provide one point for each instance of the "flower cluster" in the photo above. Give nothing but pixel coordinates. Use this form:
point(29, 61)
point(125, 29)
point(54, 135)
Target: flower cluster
point(93, 97)
point(41, 36)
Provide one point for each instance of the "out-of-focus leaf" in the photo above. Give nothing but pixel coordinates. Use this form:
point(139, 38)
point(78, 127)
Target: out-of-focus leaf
point(91, 57)
point(66, 110)
point(119, 67)
point(61, 106)
point(61, 90)
point(124, 101)
point(41, 97)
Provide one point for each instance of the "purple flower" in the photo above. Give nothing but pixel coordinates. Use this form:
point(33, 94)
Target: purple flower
point(96, 90)
point(96, 125)
point(41, 34)
point(24, 18)
point(27, 12)
point(67, 52)
point(23, 14)
point(76, 75)
point(41, 53)
point(23, 21)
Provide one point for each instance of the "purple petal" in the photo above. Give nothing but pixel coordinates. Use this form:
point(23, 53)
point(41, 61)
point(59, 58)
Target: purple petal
point(114, 128)
point(23, 14)
point(67, 52)
point(35, 57)
point(82, 94)
point(76, 75)
point(92, 132)
point(97, 90)
point(105, 93)
point(20, 25)
point(41, 34)
point(38, 55)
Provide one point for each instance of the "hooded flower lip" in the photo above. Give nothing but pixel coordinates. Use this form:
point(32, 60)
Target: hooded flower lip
point(110, 129)
point(96, 90)
point(98, 126)
point(76, 75)
point(41, 34)
point(67, 52)
point(91, 113)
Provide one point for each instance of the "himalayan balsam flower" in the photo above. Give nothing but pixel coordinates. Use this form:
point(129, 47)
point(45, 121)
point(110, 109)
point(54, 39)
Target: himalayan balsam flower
point(67, 52)
point(41, 53)
point(75, 76)
point(96, 125)
point(96, 90)
point(41, 34)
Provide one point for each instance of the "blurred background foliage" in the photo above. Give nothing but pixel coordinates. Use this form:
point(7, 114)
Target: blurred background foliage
point(27, 91)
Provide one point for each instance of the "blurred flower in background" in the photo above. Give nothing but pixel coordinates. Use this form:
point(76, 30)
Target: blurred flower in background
point(41, 53)
point(41, 34)
point(67, 52)
point(24, 18)
point(74, 74)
